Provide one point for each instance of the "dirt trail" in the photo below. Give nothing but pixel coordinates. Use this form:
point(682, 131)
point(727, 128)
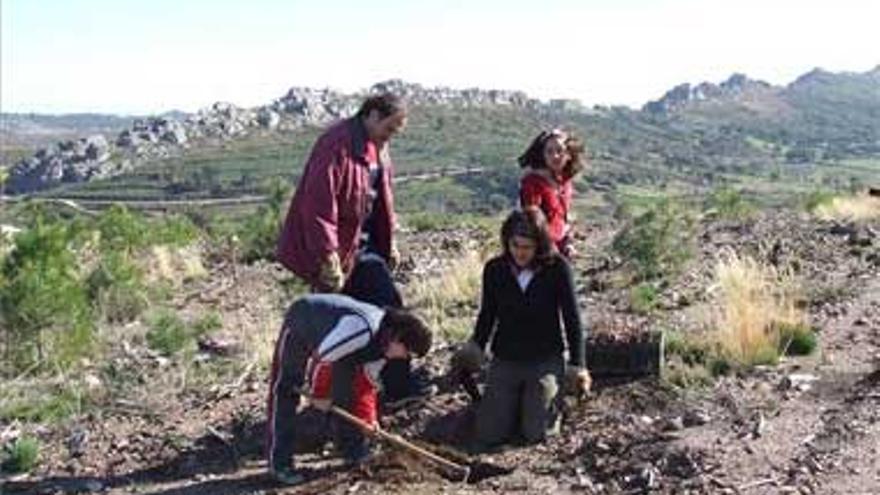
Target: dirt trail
point(811, 425)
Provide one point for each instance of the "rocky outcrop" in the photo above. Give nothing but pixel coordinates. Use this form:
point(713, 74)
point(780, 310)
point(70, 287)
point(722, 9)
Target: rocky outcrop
point(67, 161)
point(685, 94)
point(161, 137)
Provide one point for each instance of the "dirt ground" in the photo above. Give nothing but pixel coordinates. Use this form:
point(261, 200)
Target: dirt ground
point(809, 425)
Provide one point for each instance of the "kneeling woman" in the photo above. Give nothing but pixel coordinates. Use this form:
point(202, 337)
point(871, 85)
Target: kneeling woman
point(525, 290)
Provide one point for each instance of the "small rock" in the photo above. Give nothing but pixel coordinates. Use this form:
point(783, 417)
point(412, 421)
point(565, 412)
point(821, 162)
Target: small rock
point(797, 381)
point(218, 346)
point(697, 418)
point(763, 387)
point(674, 424)
point(76, 442)
point(760, 424)
point(92, 382)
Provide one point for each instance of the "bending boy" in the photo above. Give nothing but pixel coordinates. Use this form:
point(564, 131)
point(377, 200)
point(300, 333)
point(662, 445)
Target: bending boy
point(355, 339)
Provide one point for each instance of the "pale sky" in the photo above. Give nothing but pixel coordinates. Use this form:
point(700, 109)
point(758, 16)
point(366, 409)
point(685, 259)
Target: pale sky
point(124, 56)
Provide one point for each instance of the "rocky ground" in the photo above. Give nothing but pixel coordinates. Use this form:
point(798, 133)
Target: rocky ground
point(809, 425)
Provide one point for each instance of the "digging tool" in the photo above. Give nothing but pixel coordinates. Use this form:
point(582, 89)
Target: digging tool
point(457, 470)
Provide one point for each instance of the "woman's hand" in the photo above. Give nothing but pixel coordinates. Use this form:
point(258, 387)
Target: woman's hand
point(578, 380)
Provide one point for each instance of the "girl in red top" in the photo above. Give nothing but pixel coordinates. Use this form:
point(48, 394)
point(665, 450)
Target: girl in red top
point(551, 162)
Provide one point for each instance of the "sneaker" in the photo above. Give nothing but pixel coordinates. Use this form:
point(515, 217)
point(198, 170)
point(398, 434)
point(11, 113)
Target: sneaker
point(287, 476)
point(358, 454)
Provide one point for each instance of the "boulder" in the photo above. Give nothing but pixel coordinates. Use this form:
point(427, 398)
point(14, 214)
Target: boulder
point(268, 118)
point(96, 148)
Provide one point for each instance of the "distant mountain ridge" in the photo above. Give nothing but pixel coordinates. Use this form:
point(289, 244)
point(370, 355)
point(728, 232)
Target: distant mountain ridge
point(820, 115)
point(739, 87)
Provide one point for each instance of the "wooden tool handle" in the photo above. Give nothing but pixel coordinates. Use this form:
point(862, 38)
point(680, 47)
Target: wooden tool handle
point(375, 431)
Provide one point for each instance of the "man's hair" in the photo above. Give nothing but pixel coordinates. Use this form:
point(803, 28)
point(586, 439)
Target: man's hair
point(533, 157)
point(407, 329)
point(531, 224)
point(386, 104)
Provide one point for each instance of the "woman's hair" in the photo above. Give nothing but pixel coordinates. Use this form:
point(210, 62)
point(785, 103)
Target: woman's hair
point(407, 329)
point(534, 154)
point(531, 224)
point(386, 104)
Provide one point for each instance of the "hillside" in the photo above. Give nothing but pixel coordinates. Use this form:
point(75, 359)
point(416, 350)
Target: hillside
point(820, 115)
point(819, 132)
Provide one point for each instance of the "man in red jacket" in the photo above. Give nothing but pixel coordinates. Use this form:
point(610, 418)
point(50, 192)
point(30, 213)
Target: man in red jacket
point(342, 213)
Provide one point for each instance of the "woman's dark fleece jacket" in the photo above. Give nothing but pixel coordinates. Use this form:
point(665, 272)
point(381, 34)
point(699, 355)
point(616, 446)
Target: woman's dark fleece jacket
point(527, 324)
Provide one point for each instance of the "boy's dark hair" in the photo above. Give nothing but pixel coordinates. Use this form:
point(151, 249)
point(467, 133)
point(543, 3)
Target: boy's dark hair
point(386, 104)
point(533, 157)
point(532, 224)
point(407, 329)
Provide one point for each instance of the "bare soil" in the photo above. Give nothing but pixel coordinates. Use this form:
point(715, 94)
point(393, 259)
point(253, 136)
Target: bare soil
point(809, 425)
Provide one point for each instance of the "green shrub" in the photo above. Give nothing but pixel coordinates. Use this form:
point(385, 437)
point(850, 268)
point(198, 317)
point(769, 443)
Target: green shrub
point(643, 298)
point(693, 360)
point(657, 242)
point(127, 231)
point(443, 195)
point(431, 221)
point(719, 365)
point(122, 230)
point(177, 230)
point(767, 356)
point(168, 334)
point(258, 233)
point(43, 403)
point(116, 288)
point(21, 456)
point(797, 340)
point(816, 199)
point(689, 349)
point(427, 221)
point(729, 204)
point(684, 375)
point(47, 319)
point(207, 323)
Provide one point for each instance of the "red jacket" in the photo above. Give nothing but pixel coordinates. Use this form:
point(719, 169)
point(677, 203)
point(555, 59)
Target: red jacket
point(330, 204)
point(553, 196)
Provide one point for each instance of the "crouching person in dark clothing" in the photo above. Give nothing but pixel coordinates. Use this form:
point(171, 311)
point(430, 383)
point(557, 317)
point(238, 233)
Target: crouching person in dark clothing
point(525, 290)
point(353, 339)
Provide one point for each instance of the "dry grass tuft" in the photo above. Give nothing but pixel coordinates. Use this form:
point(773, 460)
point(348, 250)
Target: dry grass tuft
point(163, 263)
point(753, 301)
point(858, 208)
point(441, 299)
